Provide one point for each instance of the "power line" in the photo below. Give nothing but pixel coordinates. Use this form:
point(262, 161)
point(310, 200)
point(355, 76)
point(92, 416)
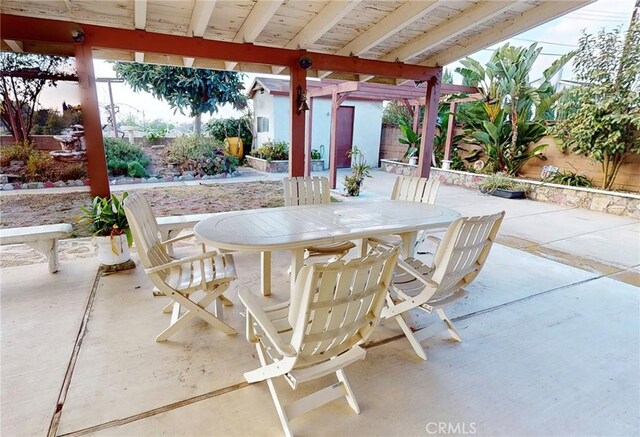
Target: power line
point(546, 42)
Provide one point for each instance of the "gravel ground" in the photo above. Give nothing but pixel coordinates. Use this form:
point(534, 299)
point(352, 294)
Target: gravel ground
point(39, 209)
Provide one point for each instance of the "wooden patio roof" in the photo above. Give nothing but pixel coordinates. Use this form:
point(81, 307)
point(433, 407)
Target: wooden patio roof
point(418, 33)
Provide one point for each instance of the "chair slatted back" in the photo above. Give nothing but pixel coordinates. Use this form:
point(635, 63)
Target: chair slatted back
point(146, 233)
point(415, 189)
point(336, 306)
point(306, 191)
point(463, 252)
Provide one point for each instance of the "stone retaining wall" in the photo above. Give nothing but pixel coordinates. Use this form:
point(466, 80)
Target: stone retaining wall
point(279, 166)
point(588, 198)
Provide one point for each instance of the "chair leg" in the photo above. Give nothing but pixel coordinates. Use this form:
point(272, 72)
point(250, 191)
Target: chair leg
point(351, 399)
point(449, 325)
point(282, 415)
point(226, 302)
point(168, 308)
point(195, 309)
point(415, 344)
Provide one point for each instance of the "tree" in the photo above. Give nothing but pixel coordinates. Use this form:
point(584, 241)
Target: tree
point(602, 115)
point(200, 91)
point(23, 78)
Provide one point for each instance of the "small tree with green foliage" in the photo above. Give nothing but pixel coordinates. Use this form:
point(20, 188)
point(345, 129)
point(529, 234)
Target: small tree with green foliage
point(196, 90)
point(602, 116)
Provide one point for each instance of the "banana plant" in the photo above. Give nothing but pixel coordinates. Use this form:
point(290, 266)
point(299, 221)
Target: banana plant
point(409, 138)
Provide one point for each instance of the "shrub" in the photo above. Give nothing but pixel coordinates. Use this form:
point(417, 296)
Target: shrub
point(201, 155)
point(272, 151)
point(120, 153)
point(18, 152)
point(219, 129)
point(40, 167)
point(500, 181)
point(571, 179)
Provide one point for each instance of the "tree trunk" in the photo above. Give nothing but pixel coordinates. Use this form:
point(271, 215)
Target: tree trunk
point(197, 125)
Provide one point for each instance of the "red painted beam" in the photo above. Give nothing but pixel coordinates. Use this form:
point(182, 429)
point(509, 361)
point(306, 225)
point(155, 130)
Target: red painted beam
point(96, 160)
point(429, 127)
point(41, 30)
point(451, 127)
point(296, 148)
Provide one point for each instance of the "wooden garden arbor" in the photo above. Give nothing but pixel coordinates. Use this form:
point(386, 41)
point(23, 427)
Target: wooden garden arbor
point(413, 93)
point(355, 40)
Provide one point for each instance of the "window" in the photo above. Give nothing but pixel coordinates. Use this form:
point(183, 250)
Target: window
point(263, 124)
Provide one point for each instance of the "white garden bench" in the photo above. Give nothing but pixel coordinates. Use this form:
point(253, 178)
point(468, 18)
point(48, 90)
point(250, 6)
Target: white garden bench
point(171, 226)
point(43, 238)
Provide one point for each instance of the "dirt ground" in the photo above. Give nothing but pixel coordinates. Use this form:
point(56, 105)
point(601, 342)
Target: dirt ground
point(42, 209)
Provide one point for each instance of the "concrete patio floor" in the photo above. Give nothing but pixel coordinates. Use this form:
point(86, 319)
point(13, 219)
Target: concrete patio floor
point(551, 345)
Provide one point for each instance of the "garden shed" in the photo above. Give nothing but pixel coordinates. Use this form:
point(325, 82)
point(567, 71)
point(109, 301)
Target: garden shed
point(359, 120)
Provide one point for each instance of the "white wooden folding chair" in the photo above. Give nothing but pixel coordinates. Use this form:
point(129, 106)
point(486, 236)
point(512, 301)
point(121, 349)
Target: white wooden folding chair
point(314, 191)
point(333, 309)
point(411, 189)
point(179, 279)
point(457, 261)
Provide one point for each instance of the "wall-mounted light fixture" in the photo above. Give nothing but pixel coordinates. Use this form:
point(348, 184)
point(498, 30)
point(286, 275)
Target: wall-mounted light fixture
point(302, 101)
point(77, 35)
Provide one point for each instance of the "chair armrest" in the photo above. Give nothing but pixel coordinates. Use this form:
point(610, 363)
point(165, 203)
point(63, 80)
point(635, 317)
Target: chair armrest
point(434, 239)
point(181, 261)
point(415, 273)
point(255, 311)
point(174, 239)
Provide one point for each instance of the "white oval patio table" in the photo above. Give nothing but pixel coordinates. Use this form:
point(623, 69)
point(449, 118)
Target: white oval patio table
point(295, 227)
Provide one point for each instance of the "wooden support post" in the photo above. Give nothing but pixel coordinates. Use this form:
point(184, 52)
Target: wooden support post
point(451, 127)
point(333, 151)
point(416, 118)
point(96, 160)
point(429, 125)
point(308, 143)
point(298, 83)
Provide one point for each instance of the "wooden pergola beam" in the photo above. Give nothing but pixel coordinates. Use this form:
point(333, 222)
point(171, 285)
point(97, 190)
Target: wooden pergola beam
point(140, 14)
point(35, 29)
point(428, 127)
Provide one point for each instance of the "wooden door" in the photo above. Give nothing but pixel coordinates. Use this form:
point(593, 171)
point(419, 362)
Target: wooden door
point(344, 135)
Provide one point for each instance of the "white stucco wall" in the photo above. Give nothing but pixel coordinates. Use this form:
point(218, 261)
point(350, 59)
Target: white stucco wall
point(367, 124)
point(263, 107)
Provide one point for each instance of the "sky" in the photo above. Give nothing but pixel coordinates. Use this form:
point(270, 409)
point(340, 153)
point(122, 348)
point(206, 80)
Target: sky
point(556, 38)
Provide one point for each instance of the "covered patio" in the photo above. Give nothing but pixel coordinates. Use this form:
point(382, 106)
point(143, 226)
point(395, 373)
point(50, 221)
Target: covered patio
point(550, 346)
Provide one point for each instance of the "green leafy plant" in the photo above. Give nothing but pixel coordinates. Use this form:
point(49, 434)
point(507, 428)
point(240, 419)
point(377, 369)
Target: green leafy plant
point(600, 118)
point(272, 151)
point(500, 181)
point(20, 151)
point(317, 153)
point(570, 178)
point(120, 154)
point(153, 135)
point(200, 155)
point(409, 138)
point(359, 170)
point(221, 128)
point(106, 218)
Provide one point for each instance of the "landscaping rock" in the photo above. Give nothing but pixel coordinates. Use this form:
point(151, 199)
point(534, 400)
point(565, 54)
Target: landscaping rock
point(49, 184)
point(599, 203)
point(152, 179)
point(78, 183)
point(59, 184)
point(40, 185)
point(30, 185)
point(169, 178)
point(16, 163)
point(7, 187)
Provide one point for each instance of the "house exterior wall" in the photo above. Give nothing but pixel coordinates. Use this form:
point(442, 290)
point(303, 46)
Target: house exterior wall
point(263, 107)
point(367, 125)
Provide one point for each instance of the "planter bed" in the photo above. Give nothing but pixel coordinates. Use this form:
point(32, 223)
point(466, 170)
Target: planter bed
point(279, 166)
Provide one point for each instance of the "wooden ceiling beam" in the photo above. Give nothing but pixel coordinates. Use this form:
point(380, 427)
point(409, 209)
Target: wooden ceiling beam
point(319, 25)
point(458, 24)
point(393, 23)
point(139, 57)
point(547, 11)
point(256, 21)
point(53, 31)
point(140, 14)
point(202, 12)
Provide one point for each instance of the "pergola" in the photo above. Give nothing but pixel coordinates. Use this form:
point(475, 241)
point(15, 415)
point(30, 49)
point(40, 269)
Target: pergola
point(388, 42)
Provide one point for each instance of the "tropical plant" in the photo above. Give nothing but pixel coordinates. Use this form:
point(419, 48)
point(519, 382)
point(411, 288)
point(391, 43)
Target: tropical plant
point(395, 113)
point(410, 139)
point(359, 170)
point(106, 218)
point(198, 90)
point(511, 115)
point(602, 115)
point(124, 158)
point(154, 134)
point(272, 151)
point(570, 178)
point(24, 76)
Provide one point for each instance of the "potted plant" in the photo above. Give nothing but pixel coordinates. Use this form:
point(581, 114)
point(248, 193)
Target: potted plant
point(500, 185)
point(359, 171)
point(108, 222)
point(411, 140)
